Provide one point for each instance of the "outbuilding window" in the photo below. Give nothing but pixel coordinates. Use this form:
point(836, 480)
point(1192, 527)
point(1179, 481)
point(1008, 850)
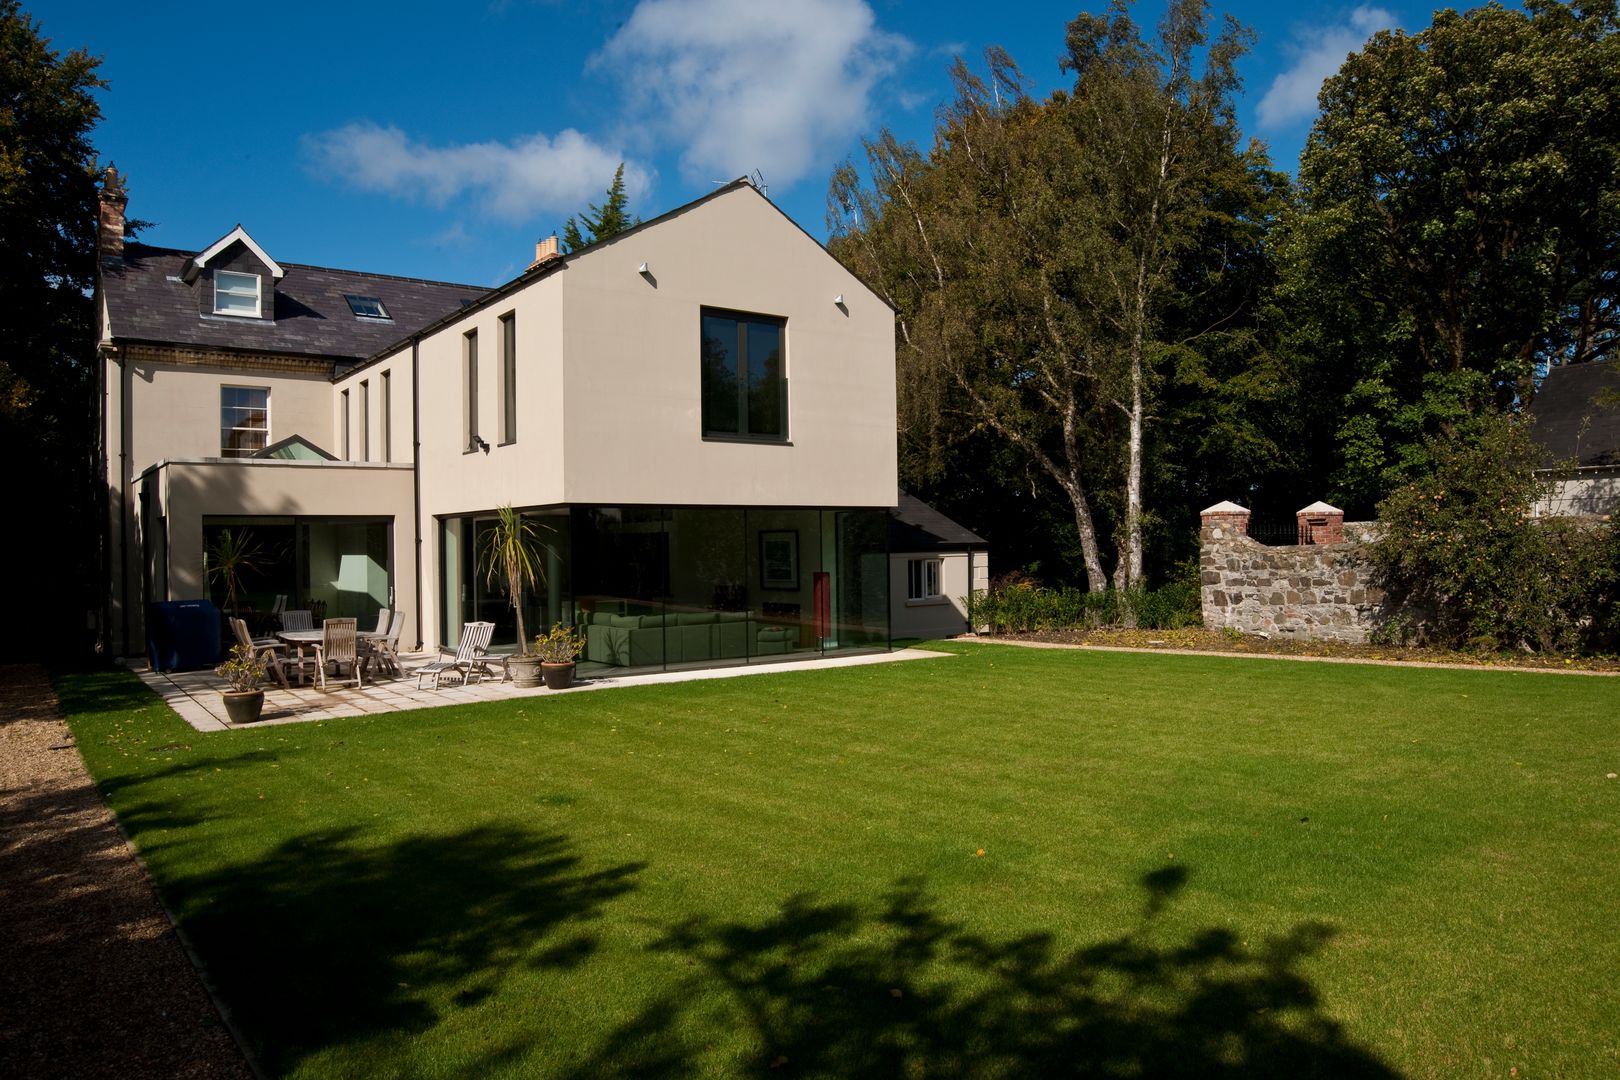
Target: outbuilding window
point(922, 579)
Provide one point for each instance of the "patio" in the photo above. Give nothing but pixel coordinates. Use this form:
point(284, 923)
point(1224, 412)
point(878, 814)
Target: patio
point(195, 695)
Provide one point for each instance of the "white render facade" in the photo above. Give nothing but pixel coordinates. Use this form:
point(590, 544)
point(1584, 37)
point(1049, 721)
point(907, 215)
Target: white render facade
point(589, 393)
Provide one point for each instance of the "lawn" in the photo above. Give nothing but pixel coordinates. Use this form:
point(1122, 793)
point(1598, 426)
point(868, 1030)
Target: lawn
point(998, 863)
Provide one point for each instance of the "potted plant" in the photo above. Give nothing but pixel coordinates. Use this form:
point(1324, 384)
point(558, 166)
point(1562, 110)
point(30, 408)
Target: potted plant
point(229, 558)
point(514, 555)
point(558, 652)
point(244, 701)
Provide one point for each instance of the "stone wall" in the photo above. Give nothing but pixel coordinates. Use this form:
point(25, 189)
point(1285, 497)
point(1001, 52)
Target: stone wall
point(1321, 590)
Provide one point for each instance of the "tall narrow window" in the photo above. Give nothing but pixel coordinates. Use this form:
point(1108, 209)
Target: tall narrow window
point(469, 391)
point(386, 404)
point(343, 403)
point(244, 420)
point(744, 379)
point(365, 420)
point(509, 377)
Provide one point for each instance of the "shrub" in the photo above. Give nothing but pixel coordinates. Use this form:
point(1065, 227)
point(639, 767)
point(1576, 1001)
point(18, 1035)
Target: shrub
point(1023, 606)
point(1461, 553)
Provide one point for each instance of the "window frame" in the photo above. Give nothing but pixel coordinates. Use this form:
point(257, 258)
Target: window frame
point(344, 424)
point(469, 392)
point(508, 378)
point(224, 451)
point(365, 420)
point(258, 294)
point(743, 319)
point(381, 314)
point(385, 395)
point(929, 566)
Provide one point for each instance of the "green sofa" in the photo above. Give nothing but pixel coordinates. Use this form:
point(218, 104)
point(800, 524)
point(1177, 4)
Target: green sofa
point(680, 637)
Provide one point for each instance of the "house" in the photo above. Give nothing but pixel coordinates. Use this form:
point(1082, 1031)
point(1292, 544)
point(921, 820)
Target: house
point(699, 413)
point(1577, 414)
point(934, 566)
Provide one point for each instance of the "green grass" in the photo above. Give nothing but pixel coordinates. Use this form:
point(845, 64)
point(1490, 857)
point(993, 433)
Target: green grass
point(1191, 866)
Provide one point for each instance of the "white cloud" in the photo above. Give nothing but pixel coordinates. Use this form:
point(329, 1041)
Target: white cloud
point(516, 180)
point(1318, 53)
point(742, 85)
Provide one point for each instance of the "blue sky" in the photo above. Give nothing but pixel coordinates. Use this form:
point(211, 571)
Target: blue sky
point(442, 139)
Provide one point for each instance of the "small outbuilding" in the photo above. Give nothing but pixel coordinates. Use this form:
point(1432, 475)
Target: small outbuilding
point(934, 564)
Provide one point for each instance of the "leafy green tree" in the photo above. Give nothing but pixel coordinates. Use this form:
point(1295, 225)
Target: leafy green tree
point(1045, 258)
point(1461, 226)
point(48, 208)
point(599, 223)
point(1462, 552)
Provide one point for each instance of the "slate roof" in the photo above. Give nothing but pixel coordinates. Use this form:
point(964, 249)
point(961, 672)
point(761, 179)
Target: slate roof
point(1571, 425)
point(147, 302)
point(916, 526)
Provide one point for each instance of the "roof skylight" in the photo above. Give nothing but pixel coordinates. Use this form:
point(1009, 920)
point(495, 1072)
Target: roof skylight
point(367, 307)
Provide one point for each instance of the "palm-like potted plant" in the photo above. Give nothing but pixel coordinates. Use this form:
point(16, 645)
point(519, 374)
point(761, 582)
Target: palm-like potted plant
point(244, 701)
point(558, 652)
point(514, 555)
point(228, 559)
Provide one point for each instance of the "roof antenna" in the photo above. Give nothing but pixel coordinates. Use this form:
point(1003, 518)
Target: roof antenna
point(757, 178)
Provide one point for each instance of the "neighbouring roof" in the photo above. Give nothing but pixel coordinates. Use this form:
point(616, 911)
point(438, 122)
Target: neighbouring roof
point(148, 301)
point(294, 448)
point(1572, 424)
point(916, 526)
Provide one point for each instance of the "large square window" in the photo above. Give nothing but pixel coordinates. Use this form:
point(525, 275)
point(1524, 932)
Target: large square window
point(244, 420)
point(236, 294)
point(744, 376)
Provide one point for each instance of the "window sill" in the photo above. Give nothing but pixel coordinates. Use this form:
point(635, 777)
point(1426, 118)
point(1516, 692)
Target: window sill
point(931, 601)
point(507, 442)
point(748, 440)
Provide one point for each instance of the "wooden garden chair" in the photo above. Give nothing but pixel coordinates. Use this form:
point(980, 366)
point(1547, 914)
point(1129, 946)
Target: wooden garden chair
point(299, 619)
point(468, 656)
point(338, 646)
point(270, 651)
point(386, 650)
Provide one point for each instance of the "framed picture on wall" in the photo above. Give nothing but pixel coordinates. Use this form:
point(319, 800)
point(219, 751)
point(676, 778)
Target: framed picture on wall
point(779, 559)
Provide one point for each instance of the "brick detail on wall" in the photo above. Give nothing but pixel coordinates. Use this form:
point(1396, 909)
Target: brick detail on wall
point(1322, 590)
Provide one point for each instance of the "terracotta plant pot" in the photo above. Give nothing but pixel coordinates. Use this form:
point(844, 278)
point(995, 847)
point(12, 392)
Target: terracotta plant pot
point(243, 708)
point(525, 670)
point(559, 676)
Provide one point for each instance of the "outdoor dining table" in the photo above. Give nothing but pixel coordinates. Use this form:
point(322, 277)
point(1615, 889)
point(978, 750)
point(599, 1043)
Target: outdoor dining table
point(298, 639)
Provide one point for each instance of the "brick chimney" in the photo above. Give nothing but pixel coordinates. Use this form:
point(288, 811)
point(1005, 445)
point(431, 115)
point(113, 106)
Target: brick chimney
point(110, 222)
point(546, 250)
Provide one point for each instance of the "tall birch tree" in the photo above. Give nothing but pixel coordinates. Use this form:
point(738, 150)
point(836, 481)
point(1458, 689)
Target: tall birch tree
point(1034, 253)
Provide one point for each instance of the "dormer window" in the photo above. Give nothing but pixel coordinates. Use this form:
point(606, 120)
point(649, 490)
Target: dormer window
point(367, 307)
point(236, 294)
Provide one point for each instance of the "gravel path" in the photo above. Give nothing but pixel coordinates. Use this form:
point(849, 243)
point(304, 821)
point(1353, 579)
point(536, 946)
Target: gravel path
point(93, 980)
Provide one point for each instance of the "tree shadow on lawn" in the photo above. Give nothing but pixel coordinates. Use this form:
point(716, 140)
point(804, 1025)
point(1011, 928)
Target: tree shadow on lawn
point(333, 939)
point(827, 990)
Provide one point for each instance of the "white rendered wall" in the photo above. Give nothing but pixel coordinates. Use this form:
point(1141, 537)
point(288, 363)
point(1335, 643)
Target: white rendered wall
point(946, 616)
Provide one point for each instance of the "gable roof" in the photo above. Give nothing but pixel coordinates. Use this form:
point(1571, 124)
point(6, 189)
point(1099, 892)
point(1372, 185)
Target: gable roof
point(553, 265)
point(916, 526)
point(1571, 423)
point(237, 235)
point(149, 301)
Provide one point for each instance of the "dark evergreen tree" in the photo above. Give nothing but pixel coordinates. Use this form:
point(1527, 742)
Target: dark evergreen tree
point(601, 222)
point(48, 205)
